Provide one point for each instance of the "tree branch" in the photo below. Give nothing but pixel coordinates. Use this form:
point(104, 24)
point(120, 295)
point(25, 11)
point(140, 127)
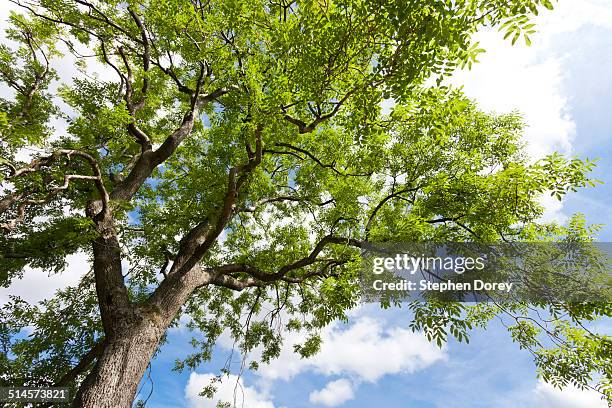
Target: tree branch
point(146, 58)
point(382, 203)
point(319, 118)
point(315, 159)
point(186, 275)
point(149, 160)
point(259, 203)
point(83, 364)
point(301, 263)
point(35, 166)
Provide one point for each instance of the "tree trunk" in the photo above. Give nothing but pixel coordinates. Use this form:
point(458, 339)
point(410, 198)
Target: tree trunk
point(113, 381)
point(132, 331)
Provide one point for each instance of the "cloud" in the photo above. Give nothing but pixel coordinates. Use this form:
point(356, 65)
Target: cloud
point(366, 351)
point(230, 389)
point(533, 79)
point(570, 16)
point(530, 79)
point(37, 284)
point(553, 209)
point(516, 78)
point(335, 393)
point(547, 396)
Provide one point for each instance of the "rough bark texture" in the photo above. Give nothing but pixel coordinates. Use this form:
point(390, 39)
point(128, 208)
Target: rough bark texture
point(113, 381)
point(132, 331)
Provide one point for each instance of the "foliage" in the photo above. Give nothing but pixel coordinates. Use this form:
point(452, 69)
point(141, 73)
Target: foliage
point(253, 132)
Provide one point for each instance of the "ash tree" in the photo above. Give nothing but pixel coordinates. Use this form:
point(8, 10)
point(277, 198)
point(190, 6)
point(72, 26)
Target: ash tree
point(232, 163)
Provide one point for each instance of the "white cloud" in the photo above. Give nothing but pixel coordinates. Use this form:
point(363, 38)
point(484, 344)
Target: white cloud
point(366, 351)
point(553, 209)
point(335, 393)
point(514, 78)
point(231, 389)
point(547, 396)
point(531, 80)
point(569, 16)
point(38, 284)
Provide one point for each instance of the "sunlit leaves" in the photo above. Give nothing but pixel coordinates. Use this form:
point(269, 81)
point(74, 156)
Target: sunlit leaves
point(312, 76)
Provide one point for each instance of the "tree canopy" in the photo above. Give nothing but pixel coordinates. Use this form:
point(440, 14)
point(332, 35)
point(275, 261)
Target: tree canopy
point(238, 157)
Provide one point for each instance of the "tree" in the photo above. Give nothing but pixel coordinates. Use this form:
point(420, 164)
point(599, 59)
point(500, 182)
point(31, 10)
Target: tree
point(240, 158)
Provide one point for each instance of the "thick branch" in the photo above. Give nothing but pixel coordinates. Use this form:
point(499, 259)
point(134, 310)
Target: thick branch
point(383, 202)
point(236, 178)
point(234, 283)
point(149, 160)
point(312, 257)
point(39, 163)
point(186, 275)
point(301, 263)
point(330, 166)
point(82, 365)
point(9, 200)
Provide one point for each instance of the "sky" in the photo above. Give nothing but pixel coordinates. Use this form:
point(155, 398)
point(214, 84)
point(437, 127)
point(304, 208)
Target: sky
point(563, 87)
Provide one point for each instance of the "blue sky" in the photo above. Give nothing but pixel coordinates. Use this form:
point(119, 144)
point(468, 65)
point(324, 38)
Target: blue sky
point(487, 372)
point(589, 87)
point(563, 86)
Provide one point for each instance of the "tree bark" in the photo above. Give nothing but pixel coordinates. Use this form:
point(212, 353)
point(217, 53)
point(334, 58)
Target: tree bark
point(132, 332)
point(113, 381)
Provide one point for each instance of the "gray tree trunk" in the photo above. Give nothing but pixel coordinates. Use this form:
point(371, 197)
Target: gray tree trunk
point(113, 381)
point(132, 332)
